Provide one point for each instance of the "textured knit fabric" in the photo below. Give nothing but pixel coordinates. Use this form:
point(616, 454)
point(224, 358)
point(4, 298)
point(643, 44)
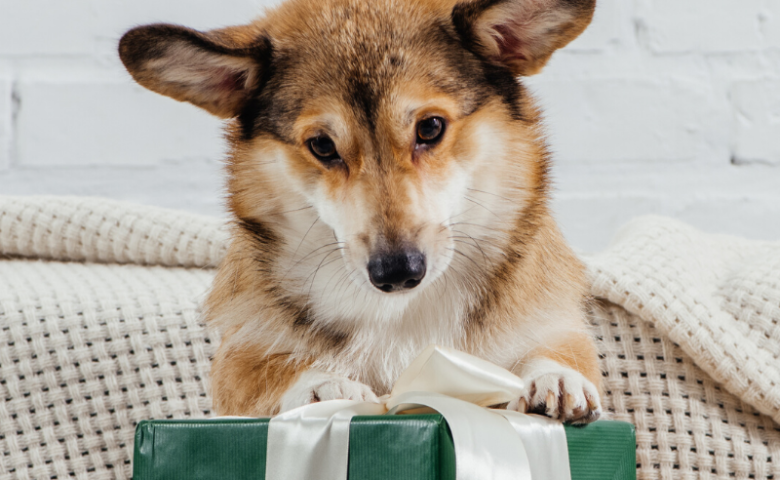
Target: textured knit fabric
point(101, 230)
point(718, 297)
point(87, 351)
point(687, 425)
point(687, 323)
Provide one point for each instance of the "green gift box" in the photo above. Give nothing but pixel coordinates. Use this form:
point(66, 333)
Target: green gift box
point(408, 447)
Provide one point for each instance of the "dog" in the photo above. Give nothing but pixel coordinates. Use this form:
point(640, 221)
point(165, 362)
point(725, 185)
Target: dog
point(388, 181)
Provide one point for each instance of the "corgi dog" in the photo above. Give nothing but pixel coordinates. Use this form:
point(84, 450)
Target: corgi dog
point(388, 182)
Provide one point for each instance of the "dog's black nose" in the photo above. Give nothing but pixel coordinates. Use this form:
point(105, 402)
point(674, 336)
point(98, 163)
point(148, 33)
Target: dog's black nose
point(392, 272)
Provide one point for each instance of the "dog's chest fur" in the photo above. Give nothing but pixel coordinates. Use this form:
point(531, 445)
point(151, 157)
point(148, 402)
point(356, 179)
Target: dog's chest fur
point(380, 349)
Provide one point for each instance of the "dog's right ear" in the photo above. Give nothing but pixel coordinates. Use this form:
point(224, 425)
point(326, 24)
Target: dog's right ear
point(520, 34)
point(206, 69)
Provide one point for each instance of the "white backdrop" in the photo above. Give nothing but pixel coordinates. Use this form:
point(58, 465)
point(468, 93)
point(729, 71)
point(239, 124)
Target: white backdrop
point(663, 106)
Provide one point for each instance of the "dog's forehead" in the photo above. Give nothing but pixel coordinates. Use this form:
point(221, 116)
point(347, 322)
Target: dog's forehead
point(365, 45)
point(345, 24)
point(367, 55)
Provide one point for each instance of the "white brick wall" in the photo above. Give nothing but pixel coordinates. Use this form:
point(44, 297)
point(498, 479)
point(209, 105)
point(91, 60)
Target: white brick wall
point(701, 26)
point(595, 120)
point(757, 109)
point(6, 120)
point(663, 106)
point(87, 121)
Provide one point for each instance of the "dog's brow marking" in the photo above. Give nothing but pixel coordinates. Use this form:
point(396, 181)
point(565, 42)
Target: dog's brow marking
point(364, 98)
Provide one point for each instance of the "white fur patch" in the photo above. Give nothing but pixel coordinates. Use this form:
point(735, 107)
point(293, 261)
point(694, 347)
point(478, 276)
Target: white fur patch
point(315, 386)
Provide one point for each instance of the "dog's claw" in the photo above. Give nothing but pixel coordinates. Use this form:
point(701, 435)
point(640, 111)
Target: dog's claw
point(562, 394)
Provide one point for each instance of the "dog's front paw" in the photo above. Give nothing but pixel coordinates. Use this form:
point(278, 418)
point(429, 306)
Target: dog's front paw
point(559, 392)
point(313, 386)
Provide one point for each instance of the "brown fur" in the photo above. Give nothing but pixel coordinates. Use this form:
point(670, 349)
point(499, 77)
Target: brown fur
point(578, 353)
point(349, 68)
point(248, 382)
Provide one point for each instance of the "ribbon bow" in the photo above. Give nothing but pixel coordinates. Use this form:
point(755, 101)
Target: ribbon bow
point(312, 442)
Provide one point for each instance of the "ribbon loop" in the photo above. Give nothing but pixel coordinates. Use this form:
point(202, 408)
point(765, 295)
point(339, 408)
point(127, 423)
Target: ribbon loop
point(312, 442)
point(459, 375)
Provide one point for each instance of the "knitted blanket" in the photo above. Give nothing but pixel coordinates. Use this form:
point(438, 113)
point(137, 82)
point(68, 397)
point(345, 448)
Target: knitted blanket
point(99, 329)
point(717, 297)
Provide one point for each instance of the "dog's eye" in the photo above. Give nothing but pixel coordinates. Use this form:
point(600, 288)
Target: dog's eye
point(430, 130)
point(324, 149)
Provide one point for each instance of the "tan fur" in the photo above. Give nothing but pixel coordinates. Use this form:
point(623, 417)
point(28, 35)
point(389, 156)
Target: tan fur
point(249, 382)
point(292, 295)
point(577, 352)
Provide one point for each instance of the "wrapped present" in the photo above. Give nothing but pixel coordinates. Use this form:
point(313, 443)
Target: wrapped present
point(340, 439)
point(408, 447)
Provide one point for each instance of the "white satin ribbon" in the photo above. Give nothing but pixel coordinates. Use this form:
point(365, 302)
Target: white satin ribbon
point(312, 442)
point(545, 441)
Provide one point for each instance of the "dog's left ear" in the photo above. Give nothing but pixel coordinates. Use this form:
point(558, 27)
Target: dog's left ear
point(520, 34)
point(216, 70)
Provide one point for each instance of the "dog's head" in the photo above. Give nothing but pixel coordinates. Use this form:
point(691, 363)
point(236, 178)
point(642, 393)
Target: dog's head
point(400, 123)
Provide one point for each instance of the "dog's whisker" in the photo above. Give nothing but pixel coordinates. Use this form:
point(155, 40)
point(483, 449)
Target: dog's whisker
point(479, 204)
point(304, 237)
point(479, 267)
point(493, 194)
point(313, 252)
point(313, 275)
point(277, 214)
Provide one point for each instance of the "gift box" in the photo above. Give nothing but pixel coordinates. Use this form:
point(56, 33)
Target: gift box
point(465, 439)
point(408, 447)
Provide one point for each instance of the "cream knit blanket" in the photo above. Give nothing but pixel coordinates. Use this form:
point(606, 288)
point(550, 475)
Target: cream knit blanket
point(99, 329)
point(717, 297)
point(100, 230)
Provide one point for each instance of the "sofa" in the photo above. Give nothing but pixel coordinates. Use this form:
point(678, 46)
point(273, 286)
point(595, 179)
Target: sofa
point(100, 328)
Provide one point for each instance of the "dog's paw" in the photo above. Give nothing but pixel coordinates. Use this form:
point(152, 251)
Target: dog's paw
point(313, 386)
point(560, 393)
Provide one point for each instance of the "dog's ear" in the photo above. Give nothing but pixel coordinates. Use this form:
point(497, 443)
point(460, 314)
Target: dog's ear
point(217, 70)
point(520, 34)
